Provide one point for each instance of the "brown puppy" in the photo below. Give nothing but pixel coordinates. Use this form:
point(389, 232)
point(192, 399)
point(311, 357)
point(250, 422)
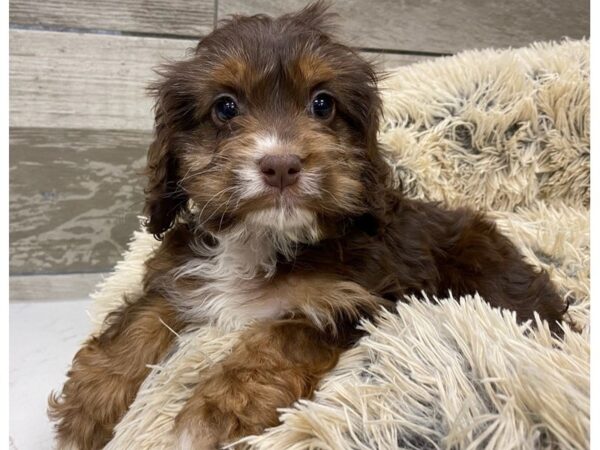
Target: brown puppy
point(271, 198)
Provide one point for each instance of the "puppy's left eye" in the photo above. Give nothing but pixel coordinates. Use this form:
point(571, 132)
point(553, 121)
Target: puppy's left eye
point(322, 106)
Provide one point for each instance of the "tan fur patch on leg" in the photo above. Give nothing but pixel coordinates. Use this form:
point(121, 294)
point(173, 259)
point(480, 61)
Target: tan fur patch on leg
point(108, 370)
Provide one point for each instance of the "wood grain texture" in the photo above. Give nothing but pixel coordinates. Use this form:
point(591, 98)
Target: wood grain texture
point(440, 26)
point(74, 197)
point(181, 17)
point(53, 287)
point(93, 81)
point(87, 81)
point(387, 61)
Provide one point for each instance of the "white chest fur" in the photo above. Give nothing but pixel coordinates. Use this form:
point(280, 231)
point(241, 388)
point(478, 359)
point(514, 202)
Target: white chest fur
point(231, 283)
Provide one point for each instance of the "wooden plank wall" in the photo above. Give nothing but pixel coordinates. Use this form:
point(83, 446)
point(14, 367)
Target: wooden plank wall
point(80, 120)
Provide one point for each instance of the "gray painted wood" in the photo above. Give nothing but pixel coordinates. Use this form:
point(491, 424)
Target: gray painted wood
point(182, 17)
point(85, 81)
point(440, 26)
point(88, 81)
point(74, 197)
point(53, 287)
point(386, 61)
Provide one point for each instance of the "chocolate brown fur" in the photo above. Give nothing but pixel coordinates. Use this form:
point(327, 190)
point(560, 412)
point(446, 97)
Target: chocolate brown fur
point(108, 370)
point(274, 365)
point(296, 266)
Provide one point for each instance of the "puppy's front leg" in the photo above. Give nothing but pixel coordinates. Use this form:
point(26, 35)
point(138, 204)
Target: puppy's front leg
point(274, 364)
point(107, 372)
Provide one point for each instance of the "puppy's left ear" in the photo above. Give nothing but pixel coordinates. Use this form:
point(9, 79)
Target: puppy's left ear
point(377, 175)
point(373, 120)
point(372, 116)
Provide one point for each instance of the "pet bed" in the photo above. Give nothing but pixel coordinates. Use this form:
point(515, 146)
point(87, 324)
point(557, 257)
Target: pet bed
point(506, 132)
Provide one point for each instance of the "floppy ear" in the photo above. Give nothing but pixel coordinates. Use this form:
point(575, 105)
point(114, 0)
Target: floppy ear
point(368, 109)
point(378, 173)
point(163, 198)
point(373, 116)
point(174, 112)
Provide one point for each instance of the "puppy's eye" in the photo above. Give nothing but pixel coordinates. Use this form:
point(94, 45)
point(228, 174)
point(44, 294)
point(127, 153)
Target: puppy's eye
point(322, 106)
point(225, 108)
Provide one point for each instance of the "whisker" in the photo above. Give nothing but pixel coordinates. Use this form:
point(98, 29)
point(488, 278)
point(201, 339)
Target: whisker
point(224, 211)
point(221, 192)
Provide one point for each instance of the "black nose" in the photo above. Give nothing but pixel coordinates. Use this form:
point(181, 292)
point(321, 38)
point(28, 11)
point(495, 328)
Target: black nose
point(280, 170)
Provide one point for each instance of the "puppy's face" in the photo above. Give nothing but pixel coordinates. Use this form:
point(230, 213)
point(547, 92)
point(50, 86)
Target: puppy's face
point(271, 123)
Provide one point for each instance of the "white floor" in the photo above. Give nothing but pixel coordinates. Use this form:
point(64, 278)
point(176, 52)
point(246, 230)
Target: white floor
point(44, 336)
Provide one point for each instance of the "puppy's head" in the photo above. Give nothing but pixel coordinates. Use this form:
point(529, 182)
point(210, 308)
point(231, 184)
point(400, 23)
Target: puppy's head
point(271, 123)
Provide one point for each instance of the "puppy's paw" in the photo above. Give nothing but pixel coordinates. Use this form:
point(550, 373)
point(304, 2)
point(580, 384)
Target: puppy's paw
point(204, 424)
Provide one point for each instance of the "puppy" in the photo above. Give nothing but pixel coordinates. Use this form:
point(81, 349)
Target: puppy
point(272, 201)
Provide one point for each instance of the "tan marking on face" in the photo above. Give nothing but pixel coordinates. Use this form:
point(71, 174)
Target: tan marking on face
point(314, 69)
point(233, 71)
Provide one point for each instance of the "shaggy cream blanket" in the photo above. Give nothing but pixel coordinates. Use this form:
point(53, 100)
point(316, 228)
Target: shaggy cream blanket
point(506, 132)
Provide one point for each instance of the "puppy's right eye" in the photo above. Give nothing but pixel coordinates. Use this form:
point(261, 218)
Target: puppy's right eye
point(225, 108)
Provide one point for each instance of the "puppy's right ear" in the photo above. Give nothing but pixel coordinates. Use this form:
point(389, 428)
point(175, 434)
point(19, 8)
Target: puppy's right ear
point(174, 113)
